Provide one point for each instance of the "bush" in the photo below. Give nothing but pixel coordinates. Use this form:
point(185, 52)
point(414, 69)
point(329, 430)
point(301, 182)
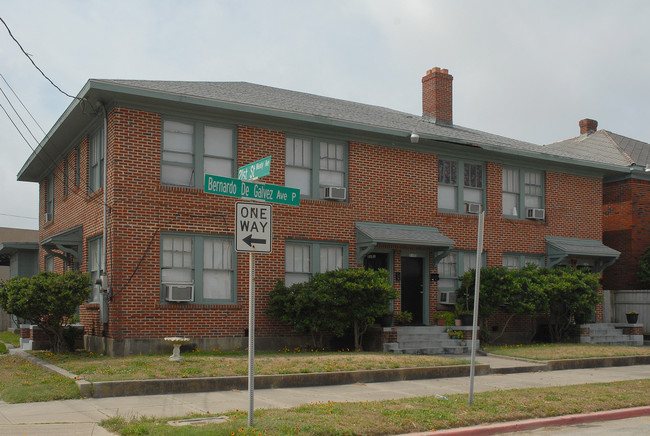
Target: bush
point(47, 300)
point(333, 302)
point(563, 293)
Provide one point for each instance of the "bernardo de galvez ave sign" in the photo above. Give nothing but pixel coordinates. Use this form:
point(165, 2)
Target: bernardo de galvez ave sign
point(252, 190)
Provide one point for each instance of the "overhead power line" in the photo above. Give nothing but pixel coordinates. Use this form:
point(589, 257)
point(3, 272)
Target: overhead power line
point(34, 63)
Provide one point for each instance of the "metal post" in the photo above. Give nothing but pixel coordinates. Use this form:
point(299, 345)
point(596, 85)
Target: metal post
point(251, 338)
point(477, 286)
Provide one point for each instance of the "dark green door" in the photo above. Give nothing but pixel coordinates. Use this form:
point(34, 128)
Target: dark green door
point(413, 287)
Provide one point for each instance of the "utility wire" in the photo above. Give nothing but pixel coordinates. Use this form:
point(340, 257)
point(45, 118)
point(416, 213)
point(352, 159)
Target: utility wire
point(34, 63)
point(22, 104)
point(18, 115)
point(18, 216)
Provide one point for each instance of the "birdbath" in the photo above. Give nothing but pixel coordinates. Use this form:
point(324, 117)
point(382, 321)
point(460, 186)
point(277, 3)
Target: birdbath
point(177, 342)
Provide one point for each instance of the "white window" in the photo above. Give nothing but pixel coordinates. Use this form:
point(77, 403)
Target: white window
point(177, 154)
point(95, 262)
point(447, 185)
point(177, 260)
point(49, 263)
point(298, 165)
point(297, 263)
point(96, 161)
point(208, 263)
point(516, 181)
point(302, 259)
point(332, 164)
point(533, 183)
point(312, 164)
point(217, 269)
point(510, 194)
point(218, 151)
point(187, 146)
point(517, 261)
point(511, 261)
point(473, 183)
point(448, 273)
point(49, 198)
point(453, 195)
point(453, 266)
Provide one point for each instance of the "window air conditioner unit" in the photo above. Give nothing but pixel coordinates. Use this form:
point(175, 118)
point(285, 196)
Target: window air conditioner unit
point(48, 217)
point(335, 193)
point(535, 214)
point(473, 208)
point(179, 292)
point(447, 297)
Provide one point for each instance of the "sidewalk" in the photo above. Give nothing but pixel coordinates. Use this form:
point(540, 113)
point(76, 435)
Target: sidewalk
point(80, 417)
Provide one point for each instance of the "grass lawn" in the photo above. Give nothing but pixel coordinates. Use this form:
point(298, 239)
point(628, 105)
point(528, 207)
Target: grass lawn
point(22, 382)
point(566, 351)
point(407, 415)
point(10, 338)
point(94, 367)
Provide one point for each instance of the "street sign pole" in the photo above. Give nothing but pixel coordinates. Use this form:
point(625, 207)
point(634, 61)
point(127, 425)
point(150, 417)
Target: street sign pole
point(251, 337)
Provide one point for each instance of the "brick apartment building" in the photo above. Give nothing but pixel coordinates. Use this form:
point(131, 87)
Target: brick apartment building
point(122, 173)
point(626, 197)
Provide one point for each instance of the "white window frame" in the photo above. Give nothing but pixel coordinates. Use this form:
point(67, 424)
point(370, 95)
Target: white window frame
point(49, 197)
point(465, 260)
point(194, 158)
point(514, 261)
point(461, 183)
point(305, 258)
point(199, 260)
point(96, 160)
point(95, 262)
point(314, 163)
point(523, 185)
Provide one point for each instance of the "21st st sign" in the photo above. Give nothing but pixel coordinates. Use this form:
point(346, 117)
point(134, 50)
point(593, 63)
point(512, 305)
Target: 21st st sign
point(253, 227)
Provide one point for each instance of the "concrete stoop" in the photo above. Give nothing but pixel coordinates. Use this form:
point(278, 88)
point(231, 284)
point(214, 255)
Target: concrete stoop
point(430, 340)
point(612, 334)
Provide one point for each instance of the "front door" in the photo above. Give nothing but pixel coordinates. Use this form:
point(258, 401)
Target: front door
point(413, 287)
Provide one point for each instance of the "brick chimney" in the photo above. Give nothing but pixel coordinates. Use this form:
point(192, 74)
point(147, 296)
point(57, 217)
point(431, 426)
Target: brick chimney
point(437, 96)
point(588, 126)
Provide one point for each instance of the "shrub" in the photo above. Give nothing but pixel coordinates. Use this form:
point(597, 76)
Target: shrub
point(47, 300)
point(334, 302)
point(643, 272)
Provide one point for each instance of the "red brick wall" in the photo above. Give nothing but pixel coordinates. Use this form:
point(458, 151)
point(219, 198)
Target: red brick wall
point(626, 214)
point(385, 185)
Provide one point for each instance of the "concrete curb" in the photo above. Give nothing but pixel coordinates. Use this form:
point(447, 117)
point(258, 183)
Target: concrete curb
point(532, 424)
point(105, 389)
point(210, 384)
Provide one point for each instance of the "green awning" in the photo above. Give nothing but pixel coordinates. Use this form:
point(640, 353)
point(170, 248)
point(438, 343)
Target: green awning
point(561, 250)
point(371, 234)
point(68, 242)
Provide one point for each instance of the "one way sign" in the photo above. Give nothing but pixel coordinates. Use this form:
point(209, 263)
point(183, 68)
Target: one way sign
point(253, 227)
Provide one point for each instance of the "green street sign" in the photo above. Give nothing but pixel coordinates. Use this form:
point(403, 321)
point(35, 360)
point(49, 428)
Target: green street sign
point(255, 191)
point(255, 170)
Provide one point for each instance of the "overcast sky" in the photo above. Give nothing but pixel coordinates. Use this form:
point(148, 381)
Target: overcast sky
point(528, 70)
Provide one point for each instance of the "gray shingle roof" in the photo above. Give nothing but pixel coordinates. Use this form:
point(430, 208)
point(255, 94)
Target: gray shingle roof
point(402, 235)
point(581, 247)
point(292, 102)
point(607, 147)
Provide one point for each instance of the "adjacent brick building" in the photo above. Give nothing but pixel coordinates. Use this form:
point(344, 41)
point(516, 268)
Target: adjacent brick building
point(122, 173)
point(626, 197)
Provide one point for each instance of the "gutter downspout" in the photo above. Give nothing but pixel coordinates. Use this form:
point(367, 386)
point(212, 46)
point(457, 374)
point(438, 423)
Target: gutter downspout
point(104, 277)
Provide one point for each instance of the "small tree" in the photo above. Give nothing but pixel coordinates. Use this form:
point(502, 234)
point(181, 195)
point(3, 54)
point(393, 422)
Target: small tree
point(47, 300)
point(333, 302)
point(644, 270)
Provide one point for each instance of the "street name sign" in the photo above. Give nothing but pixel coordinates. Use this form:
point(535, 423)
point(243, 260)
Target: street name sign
point(253, 227)
point(255, 170)
point(255, 191)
